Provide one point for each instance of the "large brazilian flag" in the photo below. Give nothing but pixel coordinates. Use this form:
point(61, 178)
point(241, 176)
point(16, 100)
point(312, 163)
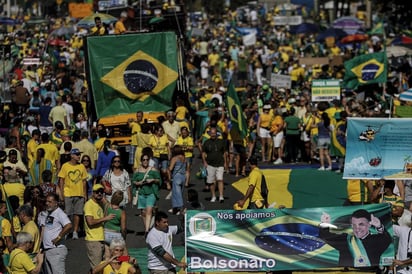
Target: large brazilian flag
point(132, 72)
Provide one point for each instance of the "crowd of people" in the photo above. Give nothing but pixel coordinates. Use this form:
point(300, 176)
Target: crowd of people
point(58, 166)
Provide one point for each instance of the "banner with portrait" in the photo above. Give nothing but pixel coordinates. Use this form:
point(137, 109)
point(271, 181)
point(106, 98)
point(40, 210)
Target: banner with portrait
point(378, 148)
point(289, 239)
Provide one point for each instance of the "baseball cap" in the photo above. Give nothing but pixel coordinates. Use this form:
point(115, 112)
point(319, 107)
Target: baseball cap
point(75, 151)
point(96, 187)
point(64, 132)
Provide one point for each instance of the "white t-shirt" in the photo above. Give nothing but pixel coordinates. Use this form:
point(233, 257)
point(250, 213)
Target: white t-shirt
point(160, 238)
point(53, 224)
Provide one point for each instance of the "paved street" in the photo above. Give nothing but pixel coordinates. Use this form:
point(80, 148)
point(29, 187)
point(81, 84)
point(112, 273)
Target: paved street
point(77, 259)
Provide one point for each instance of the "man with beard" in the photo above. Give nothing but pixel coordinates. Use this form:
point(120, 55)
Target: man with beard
point(94, 225)
point(54, 225)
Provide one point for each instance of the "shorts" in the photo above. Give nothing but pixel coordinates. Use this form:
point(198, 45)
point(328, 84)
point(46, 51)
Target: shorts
point(144, 201)
point(95, 251)
point(214, 174)
point(110, 235)
point(277, 139)
point(74, 205)
point(264, 133)
point(323, 143)
point(239, 149)
point(162, 164)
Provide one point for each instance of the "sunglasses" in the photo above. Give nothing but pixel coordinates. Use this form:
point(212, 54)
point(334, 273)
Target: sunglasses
point(145, 159)
point(116, 161)
point(100, 191)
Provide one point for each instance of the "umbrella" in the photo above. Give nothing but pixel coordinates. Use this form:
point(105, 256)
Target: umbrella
point(7, 21)
point(88, 21)
point(353, 38)
point(63, 31)
point(406, 96)
point(331, 32)
point(304, 28)
point(349, 24)
point(57, 42)
point(398, 51)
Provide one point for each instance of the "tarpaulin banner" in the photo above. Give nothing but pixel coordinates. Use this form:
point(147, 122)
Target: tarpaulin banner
point(378, 148)
point(289, 239)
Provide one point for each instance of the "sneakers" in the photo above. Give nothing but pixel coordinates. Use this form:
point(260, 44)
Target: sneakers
point(328, 168)
point(213, 199)
point(278, 161)
point(321, 168)
point(221, 199)
point(75, 236)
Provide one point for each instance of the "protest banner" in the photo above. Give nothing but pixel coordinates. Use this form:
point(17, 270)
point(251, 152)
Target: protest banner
point(378, 148)
point(280, 81)
point(325, 90)
point(286, 239)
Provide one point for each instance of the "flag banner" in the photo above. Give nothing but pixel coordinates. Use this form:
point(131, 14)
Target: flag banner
point(234, 107)
point(249, 39)
point(365, 69)
point(299, 187)
point(289, 239)
point(378, 148)
point(132, 72)
point(378, 29)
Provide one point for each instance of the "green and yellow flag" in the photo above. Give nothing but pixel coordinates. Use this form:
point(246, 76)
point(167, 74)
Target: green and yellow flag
point(236, 115)
point(365, 69)
point(132, 72)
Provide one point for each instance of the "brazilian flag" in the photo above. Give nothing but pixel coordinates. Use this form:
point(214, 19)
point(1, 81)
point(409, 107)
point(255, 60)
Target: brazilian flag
point(234, 107)
point(365, 69)
point(132, 72)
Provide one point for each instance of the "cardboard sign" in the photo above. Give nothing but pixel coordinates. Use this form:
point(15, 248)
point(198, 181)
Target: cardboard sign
point(309, 61)
point(280, 81)
point(80, 10)
point(287, 20)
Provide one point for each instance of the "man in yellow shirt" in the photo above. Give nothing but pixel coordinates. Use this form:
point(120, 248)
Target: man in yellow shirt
point(119, 27)
point(253, 193)
point(98, 29)
point(29, 226)
point(32, 147)
point(72, 183)
point(94, 226)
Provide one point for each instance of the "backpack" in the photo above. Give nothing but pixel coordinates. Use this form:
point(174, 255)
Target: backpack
point(264, 190)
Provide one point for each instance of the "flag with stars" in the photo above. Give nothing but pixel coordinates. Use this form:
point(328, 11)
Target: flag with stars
point(132, 72)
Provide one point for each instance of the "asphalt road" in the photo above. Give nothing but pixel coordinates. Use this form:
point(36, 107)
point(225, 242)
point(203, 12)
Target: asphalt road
point(77, 261)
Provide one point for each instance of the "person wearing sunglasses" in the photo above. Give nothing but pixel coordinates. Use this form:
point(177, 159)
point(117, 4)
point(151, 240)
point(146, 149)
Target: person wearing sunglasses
point(94, 225)
point(146, 181)
point(118, 178)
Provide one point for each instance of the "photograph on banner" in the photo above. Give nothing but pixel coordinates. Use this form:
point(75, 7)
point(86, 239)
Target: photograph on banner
point(378, 148)
point(325, 90)
point(289, 239)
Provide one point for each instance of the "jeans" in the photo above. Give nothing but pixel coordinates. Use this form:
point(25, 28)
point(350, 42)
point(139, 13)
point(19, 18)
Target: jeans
point(177, 190)
point(55, 260)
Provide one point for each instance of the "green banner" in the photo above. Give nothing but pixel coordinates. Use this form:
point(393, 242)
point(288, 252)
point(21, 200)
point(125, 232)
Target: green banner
point(132, 72)
point(289, 239)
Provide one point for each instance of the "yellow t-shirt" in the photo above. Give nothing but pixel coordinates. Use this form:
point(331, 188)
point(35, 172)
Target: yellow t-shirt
point(74, 179)
point(181, 113)
point(186, 142)
point(124, 268)
point(93, 209)
point(21, 263)
point(119, 27)
point(31, 152)
point(6, 231)
point(159, 145)
point(51, 152)
point(255, 179)
point(14, 189)
point(135, 128)
point(33, 230)
point(265, 120)
point(99, 144)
